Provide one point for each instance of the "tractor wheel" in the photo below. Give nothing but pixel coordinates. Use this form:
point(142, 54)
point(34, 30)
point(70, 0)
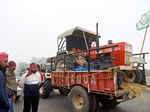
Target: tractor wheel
point(60, 65)
point(131, 76)
point(120, 79)
point(45, 89)
point(139, 76)
point(63, 92)
point(109, 103)
point(128, 76)
point(93, 102)
point(81, 100)
point(136, 75)
point(143, 81)
point(69, 62)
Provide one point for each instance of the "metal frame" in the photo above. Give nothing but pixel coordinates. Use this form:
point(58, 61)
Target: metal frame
point(143, 56)
point(61, 45)
point(87, 48)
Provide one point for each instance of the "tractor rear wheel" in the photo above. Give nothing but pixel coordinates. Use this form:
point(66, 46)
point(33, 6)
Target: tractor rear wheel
point(143, 81)
point(69, 62)
point(81, 100)
point(139, 76)
point(45, 89)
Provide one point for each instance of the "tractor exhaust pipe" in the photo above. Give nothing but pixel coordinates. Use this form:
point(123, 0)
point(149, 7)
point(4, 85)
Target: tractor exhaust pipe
point(97, 39)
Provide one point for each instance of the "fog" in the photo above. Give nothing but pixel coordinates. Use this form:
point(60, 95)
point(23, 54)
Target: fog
point(29, 28)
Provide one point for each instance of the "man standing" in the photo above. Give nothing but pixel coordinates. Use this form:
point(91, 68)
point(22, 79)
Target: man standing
point(31, 81)
point(11, 84)
point(4, 103)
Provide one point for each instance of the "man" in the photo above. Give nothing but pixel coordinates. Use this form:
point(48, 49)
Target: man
point(31, 82)
point(11, 84)
point(4, 103)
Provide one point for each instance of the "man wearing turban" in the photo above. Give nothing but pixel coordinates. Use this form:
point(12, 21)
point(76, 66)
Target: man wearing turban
point(31, 82)
point(4, 103)
point(11, 84)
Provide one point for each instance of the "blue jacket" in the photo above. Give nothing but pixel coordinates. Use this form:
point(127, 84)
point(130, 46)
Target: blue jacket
point(4, 103)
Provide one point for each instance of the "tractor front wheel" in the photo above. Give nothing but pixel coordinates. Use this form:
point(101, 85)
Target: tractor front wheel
point(45, 89)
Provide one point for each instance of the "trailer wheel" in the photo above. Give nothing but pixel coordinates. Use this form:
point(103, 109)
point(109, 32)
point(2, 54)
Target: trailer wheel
point(45, 89)
point(109, 103)
point(93, 102)
point(81, 100)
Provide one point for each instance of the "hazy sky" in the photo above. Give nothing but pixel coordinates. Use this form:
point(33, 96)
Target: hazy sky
point(28, 28)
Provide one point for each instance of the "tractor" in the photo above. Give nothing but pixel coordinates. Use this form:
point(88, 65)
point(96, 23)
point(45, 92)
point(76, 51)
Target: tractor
point(90, 73)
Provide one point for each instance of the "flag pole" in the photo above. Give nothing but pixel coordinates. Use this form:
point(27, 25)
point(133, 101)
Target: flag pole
point(144, 40)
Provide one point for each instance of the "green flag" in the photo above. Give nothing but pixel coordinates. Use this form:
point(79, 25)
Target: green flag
point(144, 21)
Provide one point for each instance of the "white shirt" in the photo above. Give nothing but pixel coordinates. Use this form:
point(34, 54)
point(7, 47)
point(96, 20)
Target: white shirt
point(34, 78)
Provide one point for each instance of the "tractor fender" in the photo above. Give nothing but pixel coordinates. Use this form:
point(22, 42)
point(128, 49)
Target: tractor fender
point(48, 75)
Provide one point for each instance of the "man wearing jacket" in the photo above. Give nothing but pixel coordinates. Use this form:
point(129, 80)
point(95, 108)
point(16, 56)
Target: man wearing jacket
point(11, 84)
point(4, 103)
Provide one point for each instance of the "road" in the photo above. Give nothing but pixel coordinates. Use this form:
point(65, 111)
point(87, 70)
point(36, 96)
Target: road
point(56, 103)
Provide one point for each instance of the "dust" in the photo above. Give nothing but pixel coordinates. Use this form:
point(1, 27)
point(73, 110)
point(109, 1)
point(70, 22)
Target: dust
point(135, 90)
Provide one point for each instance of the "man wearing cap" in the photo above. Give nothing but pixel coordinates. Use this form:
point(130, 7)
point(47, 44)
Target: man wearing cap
point(4, 103)
point(11, 84)
point(31, 82)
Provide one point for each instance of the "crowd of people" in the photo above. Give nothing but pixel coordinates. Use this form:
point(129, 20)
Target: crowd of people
point(30, 82)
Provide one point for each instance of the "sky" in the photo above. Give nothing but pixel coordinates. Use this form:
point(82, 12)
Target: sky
point(29, 28)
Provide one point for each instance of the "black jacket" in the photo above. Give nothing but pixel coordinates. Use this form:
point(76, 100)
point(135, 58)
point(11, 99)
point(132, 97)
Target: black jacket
point(4, 103)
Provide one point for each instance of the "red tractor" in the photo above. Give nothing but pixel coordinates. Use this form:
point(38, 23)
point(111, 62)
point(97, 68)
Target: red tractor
point(90, 73)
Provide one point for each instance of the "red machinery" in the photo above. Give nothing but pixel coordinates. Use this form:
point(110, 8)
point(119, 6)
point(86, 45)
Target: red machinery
point(98, 75)
point(122, 53)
